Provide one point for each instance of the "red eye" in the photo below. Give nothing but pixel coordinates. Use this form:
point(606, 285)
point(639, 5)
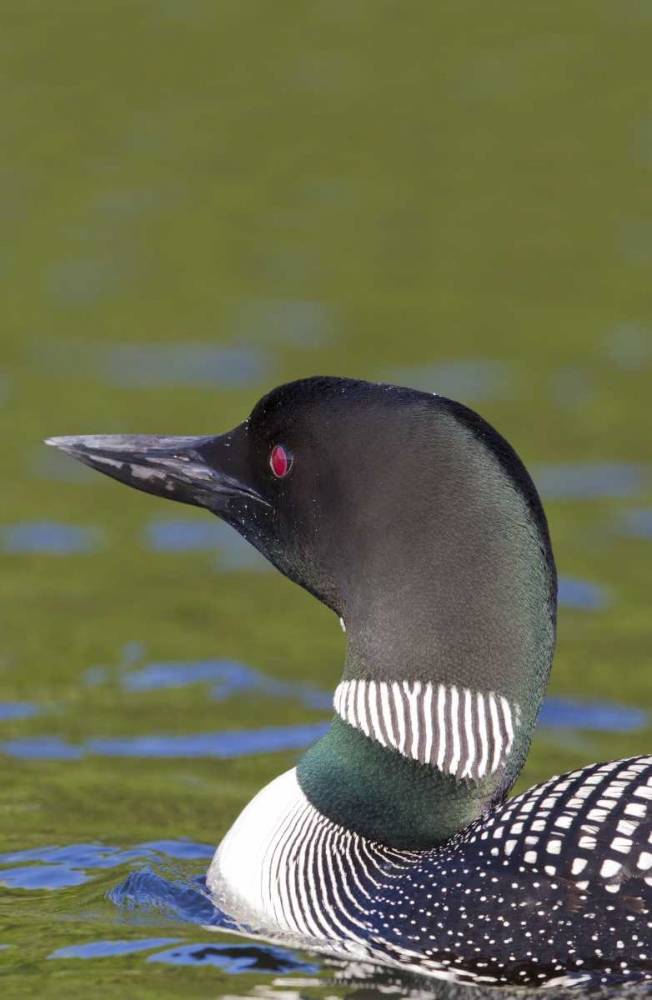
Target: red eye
point(280, 461)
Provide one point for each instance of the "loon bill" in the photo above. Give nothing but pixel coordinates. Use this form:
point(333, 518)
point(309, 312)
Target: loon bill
point(412, 519)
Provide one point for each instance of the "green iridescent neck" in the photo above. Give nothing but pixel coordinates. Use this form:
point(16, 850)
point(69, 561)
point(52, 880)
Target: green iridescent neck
point(380, 794)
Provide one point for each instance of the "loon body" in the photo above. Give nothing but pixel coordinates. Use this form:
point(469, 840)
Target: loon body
point(548, 888)
point(417, 524)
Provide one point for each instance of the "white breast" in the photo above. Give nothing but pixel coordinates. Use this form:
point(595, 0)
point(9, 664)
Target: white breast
point(239, 875)
point(285, 871)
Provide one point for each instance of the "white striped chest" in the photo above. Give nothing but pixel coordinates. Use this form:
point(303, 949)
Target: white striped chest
point(285, 869)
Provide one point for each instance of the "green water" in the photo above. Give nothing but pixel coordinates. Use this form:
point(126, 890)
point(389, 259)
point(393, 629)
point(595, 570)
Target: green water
point(452, 194)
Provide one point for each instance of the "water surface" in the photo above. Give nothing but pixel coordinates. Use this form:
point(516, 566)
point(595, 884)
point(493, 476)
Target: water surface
point(199, 199)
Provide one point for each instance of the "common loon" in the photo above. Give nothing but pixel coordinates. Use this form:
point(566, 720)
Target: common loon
point(412, 519)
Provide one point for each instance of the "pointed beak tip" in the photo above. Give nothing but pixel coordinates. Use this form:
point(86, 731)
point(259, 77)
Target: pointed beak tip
point(67, 444)
point(169, 467)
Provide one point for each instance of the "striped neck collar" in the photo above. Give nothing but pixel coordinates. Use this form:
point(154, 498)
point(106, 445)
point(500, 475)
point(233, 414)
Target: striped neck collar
point(468, 734)
point(410, 763)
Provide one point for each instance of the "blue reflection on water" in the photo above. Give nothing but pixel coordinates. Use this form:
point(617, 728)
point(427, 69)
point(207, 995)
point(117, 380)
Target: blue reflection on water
point(567, 713)
point(111, 949)
point(296, 322)
point(41, 748)
point(221, 744)
point(232, 675)
point(18, 710)
point(187, 535)
point(636, 523)
point(470, 380)
point(183, 850)
point(576, 593)
point(42, 877)
point(589, 480)
point(629, 346)
point(228, 678)
point(100, 855)
point(235, 958)
point(145, 366)
point(146, 891)
point(95, 676)
point(48, 538)
point(184, 535)
point(60, 867)
point(232, 958)
point(132, 652)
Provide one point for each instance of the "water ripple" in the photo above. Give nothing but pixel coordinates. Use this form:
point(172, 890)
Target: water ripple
point(42, 877)
point(569, 713)
point(589, 480)
point(153, 366)
point(577, 593)
point(54, 867)
point(474, 379)
point(48, 538)
point(10, 710)
point(222, 744)
point(236, 958)
point(111, 949)
point(298, 323)
point(228, 677)
point(165, 535)
point(636, 523)
point(147, 366)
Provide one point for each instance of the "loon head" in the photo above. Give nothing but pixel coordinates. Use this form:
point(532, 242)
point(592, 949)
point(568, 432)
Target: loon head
point(416, 522)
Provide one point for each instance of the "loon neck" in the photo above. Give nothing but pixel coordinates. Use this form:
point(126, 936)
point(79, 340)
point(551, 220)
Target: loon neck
point(410, 764)
point(449, 649)
point(410, 761)
point(450, 619)
point(388, 797)
point(415, 755)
